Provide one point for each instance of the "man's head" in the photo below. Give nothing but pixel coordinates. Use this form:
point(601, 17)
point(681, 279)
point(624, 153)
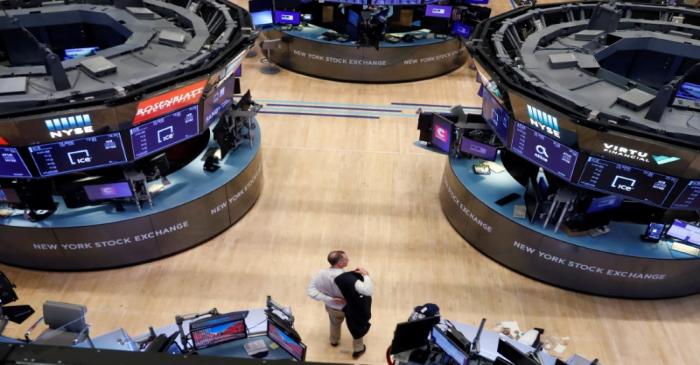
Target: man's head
point(338, 259)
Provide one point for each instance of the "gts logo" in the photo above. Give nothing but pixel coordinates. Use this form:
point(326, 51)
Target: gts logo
point(69, 126)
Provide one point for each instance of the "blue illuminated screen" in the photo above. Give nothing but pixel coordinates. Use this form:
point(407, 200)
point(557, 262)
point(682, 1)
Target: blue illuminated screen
point(478, 149)
point(108, 191)
point(438, 11)
point(449, 347)
point(544, 151)
point(78, 154)
point(287, 17)
point(495, 115)
point(74, 53)
point(604, 203)
point(689, 198)
point(262, 18)
point(461, 30)
point(11, 164)
point(689, 91)
point(164, 132)
point(218, 100)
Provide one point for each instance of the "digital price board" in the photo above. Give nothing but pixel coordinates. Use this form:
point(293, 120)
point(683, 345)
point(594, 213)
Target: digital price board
point(164, 132)
point(78, 154)
point(11, 164)
point(544, 151)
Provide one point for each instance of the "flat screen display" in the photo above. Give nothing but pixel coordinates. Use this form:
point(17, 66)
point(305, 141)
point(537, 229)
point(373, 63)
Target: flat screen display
point(219, 333)
point(689, 197)
point(449, 347)
point(495, 115)
point(442, 133)
point(287, 17)
point(218, 100)
point(544, 151)
point(478, 149)
point(9, 196)
point(353, 2)
point(438, 11)
point(165, 131)
point(262, 18)
point(78, 154)
point(684, 231)
point(396, 2)
point(604, 203)
point(108, 191)
point(294, 348)
point(74, 53)
point(689, 91)
point(461, 29)
point(11, 163)
point(636, 183)
point(479, 2)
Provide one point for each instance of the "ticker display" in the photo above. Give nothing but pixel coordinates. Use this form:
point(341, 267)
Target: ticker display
point(164, 132)
point(495, 115)
point(689, 197)
point(544, 151)
point(617, 178)
point(78, 154)
point(11, 164)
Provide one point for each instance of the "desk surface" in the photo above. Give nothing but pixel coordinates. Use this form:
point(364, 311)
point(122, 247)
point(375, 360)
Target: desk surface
point(186, 185)
point(314, 33)
point(623, 238)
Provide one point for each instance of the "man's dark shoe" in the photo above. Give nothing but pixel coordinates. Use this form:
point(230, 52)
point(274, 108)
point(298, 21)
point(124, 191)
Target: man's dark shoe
point(357, 354)
point(334, 344)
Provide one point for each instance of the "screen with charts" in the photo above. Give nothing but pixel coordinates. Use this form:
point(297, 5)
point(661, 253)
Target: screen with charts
point(221, 332)
point(684, 231)
point(544, 151)
point(448, 346)
point(689, 197)
point(218, 100)
point(442, 133)
point(294, 348)
point(639, 184)
point(108, 191)
point(11, 163)
point(165, 131)
point(495, 115)
point(78, 154)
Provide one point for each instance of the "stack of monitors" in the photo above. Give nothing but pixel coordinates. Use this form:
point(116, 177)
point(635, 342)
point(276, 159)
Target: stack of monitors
point(165, 131)
point(216, 330)
point(278, 335)
point(11, 164)
point(544, 151)
point(442, 133)
point(78, 154)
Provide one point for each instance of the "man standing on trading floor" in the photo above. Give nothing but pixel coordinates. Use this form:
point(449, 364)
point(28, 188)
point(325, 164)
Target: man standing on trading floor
point(356, 287)
point(323, 288)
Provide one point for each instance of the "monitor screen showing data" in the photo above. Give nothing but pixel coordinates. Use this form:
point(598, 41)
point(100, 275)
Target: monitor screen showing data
point(544, 151)
point(636, 183)
point(109, 191)
point(78, 154)
point(218, 100)
point(689, 91)
point(11, 163)
point(495, 115)
point(287, 17)
point(478, 149)
point(442, 133)
point(438, 11)
point(164, 132)
point(294, 348)
point(396, 2)
point(689, 198)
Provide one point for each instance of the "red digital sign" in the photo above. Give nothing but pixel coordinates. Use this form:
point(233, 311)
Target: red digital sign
point(3, 141)
point(171, 101)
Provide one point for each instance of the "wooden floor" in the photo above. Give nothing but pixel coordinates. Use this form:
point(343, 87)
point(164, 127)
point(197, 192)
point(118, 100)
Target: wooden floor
point(363, 186)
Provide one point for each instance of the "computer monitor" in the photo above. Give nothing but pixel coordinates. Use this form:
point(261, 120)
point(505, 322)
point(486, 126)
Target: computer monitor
point(262, 19)
point(353, 18)
point(450, 348)
point(684, 231)
point(115, 190)
point(438, 11)
point(478, 149)
point(74, 53)
point(604, 203)
point(461, 29)
point(287, 17)
point(512, 354)
point(413, 334)
point(292, 346)
point(442, 133)
point(218, 329)
point(8, 195)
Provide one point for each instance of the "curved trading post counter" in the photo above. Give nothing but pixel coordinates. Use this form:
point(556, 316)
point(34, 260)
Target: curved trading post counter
point(304, 51)
point(193, 208)
point(616, 264)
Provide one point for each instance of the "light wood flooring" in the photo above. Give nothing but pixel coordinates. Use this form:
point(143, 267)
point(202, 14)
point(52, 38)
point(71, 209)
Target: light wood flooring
point(363, 186)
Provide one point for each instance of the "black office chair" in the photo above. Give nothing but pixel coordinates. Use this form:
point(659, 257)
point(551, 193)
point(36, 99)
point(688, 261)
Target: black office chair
point(66, 325)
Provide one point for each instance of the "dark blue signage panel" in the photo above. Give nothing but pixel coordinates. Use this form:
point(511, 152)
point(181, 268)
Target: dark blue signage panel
point(11, 164)
point(164, 132)
point(544, 151)
point(636, 183)
point(78, 154)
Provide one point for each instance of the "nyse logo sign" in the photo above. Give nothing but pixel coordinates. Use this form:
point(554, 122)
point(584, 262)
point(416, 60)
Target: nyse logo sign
point(69, 126)
point(543, 122)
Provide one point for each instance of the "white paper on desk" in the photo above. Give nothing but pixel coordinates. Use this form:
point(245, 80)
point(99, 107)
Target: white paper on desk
point(559, 348)
point(512, 325)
